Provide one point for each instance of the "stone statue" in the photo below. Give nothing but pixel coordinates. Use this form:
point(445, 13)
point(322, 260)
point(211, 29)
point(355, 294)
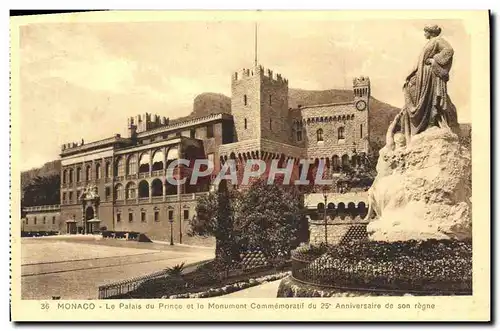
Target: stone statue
point(427, 102)
point(394, 141)
point(90, 193)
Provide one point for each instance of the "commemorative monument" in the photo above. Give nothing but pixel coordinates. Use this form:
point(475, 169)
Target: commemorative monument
point(419, 216)
point(423, 184)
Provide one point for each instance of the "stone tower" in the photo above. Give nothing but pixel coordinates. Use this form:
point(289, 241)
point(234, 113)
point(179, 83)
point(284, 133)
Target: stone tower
point(259, 104)
point(361, 90)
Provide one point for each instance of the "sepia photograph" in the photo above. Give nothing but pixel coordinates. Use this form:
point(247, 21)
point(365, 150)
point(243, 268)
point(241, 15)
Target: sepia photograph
point(229, 159)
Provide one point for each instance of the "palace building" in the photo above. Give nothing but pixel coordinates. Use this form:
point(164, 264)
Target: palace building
point(120, 183)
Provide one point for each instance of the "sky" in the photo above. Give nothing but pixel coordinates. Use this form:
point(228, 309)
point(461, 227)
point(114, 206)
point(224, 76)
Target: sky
point(83, 80)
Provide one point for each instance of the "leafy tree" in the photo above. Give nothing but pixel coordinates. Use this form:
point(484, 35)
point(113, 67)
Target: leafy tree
point(42, 190)
point(215, 217)
point(272, 218)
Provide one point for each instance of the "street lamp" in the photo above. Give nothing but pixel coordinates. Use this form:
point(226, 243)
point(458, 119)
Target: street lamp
point(325, 196)
point(171, 231)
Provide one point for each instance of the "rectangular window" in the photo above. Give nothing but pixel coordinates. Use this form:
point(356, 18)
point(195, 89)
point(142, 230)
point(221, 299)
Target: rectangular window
point(157, 216)
point(361, 130)
point(245, 100)
point(78, 195)
point(192, 133)
point(130, 217)
point(299, 135)
point(64, 198)
point(70, 197)
point(270, 100)
point(186, 214)
point(170, 215)
point(53, 220)
point(44, 220)
point(143, 216)
point(210, 131)
point(27, 221)
point(118, 218)
point(34, 220)
point(108, 192)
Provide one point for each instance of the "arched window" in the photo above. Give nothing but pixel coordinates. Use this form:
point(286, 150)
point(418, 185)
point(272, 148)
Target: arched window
point(345, 160)
point(78, 174)
point(120, 167)
point(158, 158)
point(319, 135)
point(97, 171)
point(299, 130)
point(172, 154)
point(335, 163)
point(64, 179)
point(119, 192)
point(130, 191)
point(70, 179)
point(156, 188)
point(144, 163)
point(341, 133)
point(143, 189)
point(88, 173)
point(131, 165)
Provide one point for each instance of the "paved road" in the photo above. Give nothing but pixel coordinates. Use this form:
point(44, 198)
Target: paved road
point(60, 271)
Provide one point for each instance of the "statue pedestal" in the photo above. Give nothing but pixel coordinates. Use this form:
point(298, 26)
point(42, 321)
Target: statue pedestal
point(423, 191)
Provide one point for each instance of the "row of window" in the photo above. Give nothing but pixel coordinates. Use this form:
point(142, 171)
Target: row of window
point(319, 133)
point(68, 197)
point(156, 216)
point(191, 134)
point(297, 133)
point(270, 124)
point(128, 166)
point(68, 174)
point(44, 220)
point(245, 100)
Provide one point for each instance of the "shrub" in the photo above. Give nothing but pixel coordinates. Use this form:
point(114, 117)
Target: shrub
point(175, 271)
point(431, 266)
point(309, 252)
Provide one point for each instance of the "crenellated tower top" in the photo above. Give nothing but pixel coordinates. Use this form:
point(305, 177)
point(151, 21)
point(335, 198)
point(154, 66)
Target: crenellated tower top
point(145, 122)
point(260, 72)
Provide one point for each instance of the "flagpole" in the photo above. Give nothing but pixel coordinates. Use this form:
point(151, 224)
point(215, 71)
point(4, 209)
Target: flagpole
point(255, 61)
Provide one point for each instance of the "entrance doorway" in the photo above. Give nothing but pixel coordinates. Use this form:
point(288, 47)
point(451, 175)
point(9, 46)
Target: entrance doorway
point(91, 226)
point(71, 227)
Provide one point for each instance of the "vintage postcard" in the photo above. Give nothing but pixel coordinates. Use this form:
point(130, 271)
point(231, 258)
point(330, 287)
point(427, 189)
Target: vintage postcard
point(250, 166)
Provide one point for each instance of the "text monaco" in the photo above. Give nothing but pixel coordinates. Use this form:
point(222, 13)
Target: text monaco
point(253, 168)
